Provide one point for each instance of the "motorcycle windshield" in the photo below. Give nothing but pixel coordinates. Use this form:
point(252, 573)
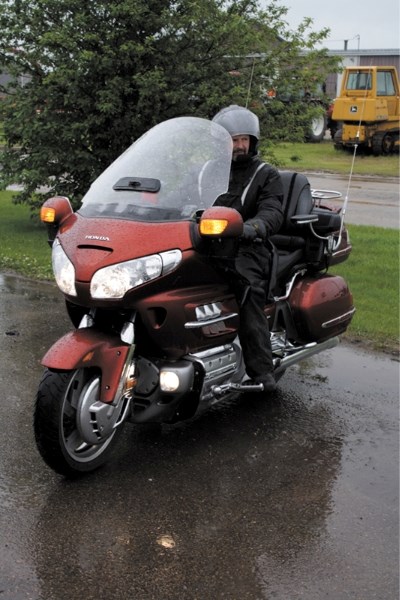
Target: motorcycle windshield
point(176, 168)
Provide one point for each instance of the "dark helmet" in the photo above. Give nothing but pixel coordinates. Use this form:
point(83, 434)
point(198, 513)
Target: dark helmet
point(238, 120)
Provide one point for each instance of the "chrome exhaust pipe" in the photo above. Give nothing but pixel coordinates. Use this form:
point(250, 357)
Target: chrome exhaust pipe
point(217, 391)
point(296, 357)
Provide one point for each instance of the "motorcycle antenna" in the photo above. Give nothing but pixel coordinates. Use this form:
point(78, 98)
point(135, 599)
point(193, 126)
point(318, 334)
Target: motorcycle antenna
point(347, 196)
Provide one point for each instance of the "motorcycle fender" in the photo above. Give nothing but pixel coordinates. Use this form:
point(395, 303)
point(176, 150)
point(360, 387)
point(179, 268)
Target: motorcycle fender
point(84, 348)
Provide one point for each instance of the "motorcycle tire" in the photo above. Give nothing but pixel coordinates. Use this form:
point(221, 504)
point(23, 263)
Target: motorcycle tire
point(57, 434)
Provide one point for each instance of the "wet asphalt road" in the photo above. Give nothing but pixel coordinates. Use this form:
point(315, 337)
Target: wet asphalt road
point(287, 500)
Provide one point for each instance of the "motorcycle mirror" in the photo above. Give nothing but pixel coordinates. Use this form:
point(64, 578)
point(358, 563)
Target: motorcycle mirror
point(53, 212)
point(221, 222)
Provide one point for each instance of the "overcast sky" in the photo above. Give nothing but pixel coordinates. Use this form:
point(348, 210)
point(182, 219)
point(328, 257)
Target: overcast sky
point(375, 21)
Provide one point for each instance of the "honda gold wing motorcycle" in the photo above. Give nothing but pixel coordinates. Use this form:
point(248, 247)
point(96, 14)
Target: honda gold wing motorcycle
point(155, 324)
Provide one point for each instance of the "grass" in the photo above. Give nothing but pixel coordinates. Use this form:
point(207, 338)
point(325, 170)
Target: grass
point(324, 157)
point(23, 247)
point(371, 271)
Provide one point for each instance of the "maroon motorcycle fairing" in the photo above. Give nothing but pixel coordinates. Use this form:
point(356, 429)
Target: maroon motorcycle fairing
point(94, 243)
point(88, 348)
point(165, 317)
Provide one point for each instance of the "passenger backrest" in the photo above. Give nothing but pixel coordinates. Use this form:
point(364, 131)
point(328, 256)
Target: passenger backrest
point(297, 199)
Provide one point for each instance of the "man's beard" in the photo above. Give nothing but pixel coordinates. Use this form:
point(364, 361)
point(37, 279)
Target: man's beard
point(238, 154)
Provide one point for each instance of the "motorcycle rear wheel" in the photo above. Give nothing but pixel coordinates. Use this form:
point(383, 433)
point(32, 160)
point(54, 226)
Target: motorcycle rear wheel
point(57, 434)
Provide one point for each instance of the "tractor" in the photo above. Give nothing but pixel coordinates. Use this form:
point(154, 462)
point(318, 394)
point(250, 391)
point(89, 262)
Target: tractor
point(368, 109)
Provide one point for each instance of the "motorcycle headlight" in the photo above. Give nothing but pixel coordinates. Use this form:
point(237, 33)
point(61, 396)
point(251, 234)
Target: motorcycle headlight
point(63, 269)
point(114, 281)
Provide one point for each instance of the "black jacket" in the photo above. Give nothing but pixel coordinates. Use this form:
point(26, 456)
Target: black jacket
point(261, 203)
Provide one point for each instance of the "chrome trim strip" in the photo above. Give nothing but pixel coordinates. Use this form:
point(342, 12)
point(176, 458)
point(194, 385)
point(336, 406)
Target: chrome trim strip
point(205, 322)
point(210, 352)
point(340, 319)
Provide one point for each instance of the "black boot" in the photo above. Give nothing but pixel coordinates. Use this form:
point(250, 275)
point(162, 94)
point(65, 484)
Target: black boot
point(255, 341)
point(268, 381)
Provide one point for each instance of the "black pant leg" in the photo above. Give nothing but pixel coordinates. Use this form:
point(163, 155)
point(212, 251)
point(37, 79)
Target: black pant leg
point(252, 264)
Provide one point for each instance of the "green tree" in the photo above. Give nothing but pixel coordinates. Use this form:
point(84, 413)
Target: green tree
point(99, 73)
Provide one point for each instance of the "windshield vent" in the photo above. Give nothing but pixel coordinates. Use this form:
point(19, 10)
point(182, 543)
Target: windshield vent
point(137, 184)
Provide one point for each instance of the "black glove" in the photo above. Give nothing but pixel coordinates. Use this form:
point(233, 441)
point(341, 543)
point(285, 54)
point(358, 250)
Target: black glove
point(249, 232)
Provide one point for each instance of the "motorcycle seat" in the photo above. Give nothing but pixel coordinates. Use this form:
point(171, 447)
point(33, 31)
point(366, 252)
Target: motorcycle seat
point(286, 261)
point(295, 245)
point(297, 200)
point(290, 242)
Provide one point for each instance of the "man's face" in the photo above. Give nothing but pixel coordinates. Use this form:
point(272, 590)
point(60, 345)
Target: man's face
point(241, 145)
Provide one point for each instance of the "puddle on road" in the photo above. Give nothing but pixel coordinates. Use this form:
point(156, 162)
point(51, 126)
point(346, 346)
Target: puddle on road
point(349, 367)
point(32, 290)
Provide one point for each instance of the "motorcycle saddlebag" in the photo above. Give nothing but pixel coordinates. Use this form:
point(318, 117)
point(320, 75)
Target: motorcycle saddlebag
point(321, 307)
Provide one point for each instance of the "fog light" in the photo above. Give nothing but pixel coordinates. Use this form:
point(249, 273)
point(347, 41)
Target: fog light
point(169, 381)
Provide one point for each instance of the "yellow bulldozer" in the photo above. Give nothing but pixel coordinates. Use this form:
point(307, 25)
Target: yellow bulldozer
point(367, 111)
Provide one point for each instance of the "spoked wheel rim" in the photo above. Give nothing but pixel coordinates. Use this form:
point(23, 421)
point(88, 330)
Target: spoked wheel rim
point(318, 126)
point(82, 392)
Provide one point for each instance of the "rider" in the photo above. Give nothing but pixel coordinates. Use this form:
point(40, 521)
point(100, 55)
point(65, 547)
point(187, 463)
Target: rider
point(255, 190)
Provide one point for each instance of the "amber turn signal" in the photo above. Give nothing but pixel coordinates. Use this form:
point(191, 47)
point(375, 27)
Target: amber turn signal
point(47, 214)
point(213, 226)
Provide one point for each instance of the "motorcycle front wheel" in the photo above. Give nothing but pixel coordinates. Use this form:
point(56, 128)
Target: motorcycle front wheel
point(62, 400)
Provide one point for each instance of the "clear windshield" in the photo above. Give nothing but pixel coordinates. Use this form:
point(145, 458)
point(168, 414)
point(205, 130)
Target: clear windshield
point(173, 170)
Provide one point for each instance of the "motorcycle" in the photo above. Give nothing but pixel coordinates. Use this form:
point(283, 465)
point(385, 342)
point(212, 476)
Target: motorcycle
point(155, 323)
